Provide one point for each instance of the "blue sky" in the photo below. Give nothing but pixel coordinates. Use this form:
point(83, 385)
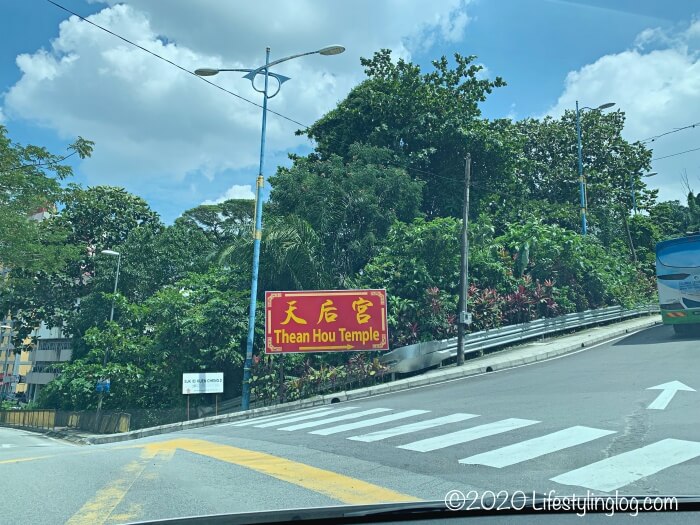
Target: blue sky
point(177, 142)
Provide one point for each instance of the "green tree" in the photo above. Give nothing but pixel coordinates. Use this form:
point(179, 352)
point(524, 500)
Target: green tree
point(150, 260)
point(94, 219)
point(588, 274)
point(222, 223)
point(548, 170)
point(350, 205)
point(671, 218)
point(694, 210)
point(429, 119)
point(197, 324)
point(30, 182)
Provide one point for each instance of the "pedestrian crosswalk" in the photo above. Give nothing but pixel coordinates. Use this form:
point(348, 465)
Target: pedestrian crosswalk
point(617, 471)
point(412, 427)
point(368, 422)
point(334, 419)
point(469, 434)
point(457, 429)
point(536, 447)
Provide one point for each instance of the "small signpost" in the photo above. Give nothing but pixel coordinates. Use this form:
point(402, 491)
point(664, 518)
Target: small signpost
point(102, 386)
point(203, 383)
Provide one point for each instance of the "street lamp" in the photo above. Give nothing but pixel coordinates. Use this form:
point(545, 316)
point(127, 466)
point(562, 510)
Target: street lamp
point(632, 190)
point(5, 352)
point(118, 255)
point(257, 232)
point(581, 180)
point(116, 279)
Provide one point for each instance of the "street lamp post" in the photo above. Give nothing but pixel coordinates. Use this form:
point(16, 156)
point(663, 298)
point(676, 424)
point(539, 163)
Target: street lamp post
point(116, 282)
point(581, 179)
point(111, 318)
point(5, 351)
point(257, 232)
point(634, 193)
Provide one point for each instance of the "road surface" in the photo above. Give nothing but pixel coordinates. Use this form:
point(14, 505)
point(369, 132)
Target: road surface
point(583, 422)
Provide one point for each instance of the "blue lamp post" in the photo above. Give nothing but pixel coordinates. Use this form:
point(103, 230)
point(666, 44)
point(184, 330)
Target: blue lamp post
point(633, 191)
point(257, 232)
point(581, 180)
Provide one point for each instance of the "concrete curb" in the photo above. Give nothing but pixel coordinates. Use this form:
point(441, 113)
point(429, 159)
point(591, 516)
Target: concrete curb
point(503, 359)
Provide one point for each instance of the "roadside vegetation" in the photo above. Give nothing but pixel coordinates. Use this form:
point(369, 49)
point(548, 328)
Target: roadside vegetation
point(376, 204)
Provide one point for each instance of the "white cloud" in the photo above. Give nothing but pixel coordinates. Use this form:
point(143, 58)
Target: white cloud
point(153, 122)
point(2, 116)
point(657, 84)
point(237, 191)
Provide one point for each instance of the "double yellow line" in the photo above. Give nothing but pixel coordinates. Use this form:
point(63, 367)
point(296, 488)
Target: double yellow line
point(344, 489)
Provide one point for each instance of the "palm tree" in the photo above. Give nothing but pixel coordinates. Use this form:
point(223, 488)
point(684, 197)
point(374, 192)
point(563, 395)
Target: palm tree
point(291, 255)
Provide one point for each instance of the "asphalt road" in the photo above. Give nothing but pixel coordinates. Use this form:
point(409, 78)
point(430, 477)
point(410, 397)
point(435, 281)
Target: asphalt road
point(577, 423)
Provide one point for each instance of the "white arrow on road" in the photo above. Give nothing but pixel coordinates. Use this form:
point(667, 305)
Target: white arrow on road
point(668, 391)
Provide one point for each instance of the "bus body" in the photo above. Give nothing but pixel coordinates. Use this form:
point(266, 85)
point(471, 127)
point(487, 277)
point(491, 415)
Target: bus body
point(678, 279)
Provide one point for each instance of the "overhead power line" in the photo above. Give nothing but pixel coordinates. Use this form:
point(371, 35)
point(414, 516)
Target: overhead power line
point(676, 130)
point(676, 154)
point(174, 64)
point(156, 55)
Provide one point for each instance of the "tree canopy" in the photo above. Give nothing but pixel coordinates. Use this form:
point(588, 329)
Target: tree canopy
point(377, 203)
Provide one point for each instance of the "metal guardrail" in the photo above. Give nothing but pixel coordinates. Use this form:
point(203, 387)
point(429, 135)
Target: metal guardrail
point(420, 356)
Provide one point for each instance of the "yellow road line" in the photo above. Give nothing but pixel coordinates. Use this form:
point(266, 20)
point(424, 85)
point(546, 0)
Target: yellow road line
point(99, 509)
point(48, 456)
point(19, 460)
point(337, 486)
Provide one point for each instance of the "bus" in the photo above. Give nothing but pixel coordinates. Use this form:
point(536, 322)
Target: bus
point(678, 280)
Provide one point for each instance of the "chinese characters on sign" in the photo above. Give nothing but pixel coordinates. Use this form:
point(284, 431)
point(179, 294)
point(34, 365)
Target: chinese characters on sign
point(325, 321)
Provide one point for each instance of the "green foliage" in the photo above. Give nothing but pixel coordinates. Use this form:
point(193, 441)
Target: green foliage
point(549, 176)
point(291, 256)
point(197, 324)
point(415, 257)
point(288, 378)
point(92, 220)
point(428, 119)
point(30, 182)
point(374, 205)
point(594, 276)
point(222, 223)
point(694, 211)
point(671, 218)
point(350, 205)
point(102, 217)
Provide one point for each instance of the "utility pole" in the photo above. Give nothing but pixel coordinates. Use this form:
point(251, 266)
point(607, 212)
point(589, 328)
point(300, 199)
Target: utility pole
point(464, 317)
point(111, 318)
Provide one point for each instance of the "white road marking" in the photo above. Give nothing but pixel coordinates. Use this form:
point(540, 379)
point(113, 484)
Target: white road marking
point(344, 417)
point(617, 471)
point(292, 419)
point(668, 391)
point(412, 427)
point(256, 420)
point(536, 447)
point(368, 422)
point(469, 434)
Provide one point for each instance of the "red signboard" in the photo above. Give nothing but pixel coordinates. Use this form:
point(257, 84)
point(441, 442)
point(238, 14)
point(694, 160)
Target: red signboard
point(325, 321)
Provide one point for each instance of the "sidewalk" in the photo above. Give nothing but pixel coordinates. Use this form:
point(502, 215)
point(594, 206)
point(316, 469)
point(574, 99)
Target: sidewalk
point(506, 358)
point(69, 434)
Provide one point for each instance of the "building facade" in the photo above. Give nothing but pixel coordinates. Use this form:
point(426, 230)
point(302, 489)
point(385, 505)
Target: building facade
point(51, 349)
